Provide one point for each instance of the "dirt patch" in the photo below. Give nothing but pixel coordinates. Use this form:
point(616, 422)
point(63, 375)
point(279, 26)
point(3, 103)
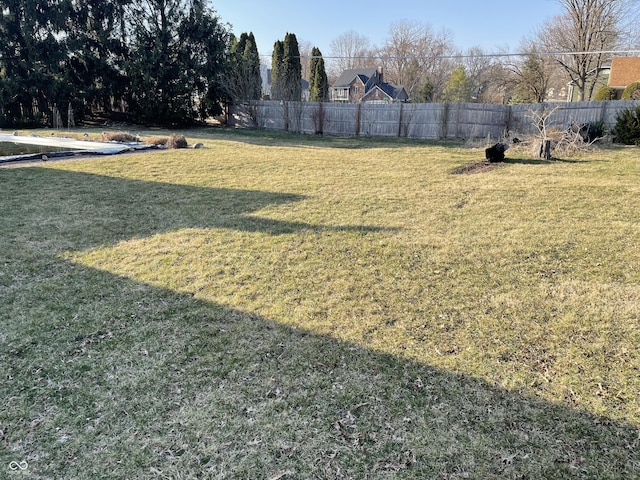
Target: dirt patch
point(477, 167)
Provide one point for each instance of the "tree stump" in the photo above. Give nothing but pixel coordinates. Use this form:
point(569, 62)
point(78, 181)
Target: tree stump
point(545, 150)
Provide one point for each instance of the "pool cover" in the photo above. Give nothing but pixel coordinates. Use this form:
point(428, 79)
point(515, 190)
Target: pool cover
point(76, 147)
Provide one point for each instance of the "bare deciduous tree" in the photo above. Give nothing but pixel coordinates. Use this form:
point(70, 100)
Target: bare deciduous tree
point(486, 75)
point(350, 50)
point(412, 56)
point(586, 28)
point(305, 57)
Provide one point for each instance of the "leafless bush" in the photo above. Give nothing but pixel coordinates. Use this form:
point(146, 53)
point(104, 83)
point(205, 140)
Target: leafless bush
point(177, 141)
point(157, 140)
point(562, 142)
point(124, 137)
point(173, 141)
point(570, 142)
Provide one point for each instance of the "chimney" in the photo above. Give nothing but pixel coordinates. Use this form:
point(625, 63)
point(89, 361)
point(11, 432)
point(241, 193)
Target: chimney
point(380, 75)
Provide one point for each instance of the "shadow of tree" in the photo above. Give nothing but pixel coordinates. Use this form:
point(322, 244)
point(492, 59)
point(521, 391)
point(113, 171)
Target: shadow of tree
point(118, 209)
point(123, 379)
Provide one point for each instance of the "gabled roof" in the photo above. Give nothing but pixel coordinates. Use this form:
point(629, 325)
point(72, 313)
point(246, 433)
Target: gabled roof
point(391, 91)
point(624, 71)
point(348, 76)
point(372, 91)
point(395, 92)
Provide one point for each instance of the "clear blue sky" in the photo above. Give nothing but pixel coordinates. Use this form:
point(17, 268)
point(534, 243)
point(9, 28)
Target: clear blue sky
point(490, 24)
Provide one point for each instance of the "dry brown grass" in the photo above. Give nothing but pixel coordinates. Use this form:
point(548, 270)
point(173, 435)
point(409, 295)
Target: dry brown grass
point(171, 141)
point(124, 137)
point(301, 307)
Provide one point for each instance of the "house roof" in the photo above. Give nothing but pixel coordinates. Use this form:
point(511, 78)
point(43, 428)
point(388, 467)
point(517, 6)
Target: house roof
point(371, 92)
point(391, 91)
point(395, 92)
point(347, 76)
point(624, 71)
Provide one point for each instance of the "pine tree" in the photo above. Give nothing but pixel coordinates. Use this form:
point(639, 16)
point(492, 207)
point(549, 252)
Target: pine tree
point(291, 69)
point(178, 49)
point(458, 88)
point(532, 83)
point(96, 52)
point(318, 82)
point(32, 58)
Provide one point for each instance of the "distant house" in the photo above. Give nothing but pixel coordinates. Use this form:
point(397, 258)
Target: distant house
point(366, 85)
point(599, 76)
point(624, 72)
point(265, 73)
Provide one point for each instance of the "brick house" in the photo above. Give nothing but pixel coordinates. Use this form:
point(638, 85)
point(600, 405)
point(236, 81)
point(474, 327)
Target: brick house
point(624, 71)
point(596, 78)
point(366, 85)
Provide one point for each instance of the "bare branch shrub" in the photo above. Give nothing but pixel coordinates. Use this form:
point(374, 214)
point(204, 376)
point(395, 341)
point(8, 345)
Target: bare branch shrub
point(177, 141)
point(563, 142)
point(124, 137)
point(173, 141)
point(157, 140)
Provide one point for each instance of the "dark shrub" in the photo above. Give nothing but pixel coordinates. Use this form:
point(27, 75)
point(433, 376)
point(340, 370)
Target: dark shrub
point(596, 130)
point(628, 126)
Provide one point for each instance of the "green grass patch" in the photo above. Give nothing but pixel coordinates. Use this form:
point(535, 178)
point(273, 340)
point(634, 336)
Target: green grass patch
point(274, 306)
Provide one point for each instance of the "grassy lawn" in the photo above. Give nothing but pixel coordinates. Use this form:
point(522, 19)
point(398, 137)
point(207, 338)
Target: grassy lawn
point(279, 307)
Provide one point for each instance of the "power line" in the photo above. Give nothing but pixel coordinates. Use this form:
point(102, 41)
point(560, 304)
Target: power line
point(465, 56)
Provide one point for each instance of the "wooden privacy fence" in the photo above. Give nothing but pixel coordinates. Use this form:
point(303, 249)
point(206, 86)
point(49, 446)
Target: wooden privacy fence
point(419, 120)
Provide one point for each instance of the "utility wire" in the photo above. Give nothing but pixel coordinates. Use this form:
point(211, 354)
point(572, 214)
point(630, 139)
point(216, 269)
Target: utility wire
point(464, 56)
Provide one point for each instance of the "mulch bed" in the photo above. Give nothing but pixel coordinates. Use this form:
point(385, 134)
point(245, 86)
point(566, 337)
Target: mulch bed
point(477, 167)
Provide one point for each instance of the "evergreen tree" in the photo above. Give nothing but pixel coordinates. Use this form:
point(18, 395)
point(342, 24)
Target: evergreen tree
point(164, 57)
point(277, 71)
point(427, 93)
point(458, 88)
point(251, 59)
point(32, 57)
point(532, 83)
point(178, 49)
point(318, 82)
point(96, 52)
point(291, 69)
point(242, 80)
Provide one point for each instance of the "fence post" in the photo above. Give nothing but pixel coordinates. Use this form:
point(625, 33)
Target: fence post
point(444, 125)
point(603, 110)
point(358, 119)
point(507, 126)
point(400, 120)
point(286, 116)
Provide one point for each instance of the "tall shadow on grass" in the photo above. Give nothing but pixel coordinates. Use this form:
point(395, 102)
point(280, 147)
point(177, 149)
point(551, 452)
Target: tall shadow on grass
point(95, 209)
point(107, 377)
